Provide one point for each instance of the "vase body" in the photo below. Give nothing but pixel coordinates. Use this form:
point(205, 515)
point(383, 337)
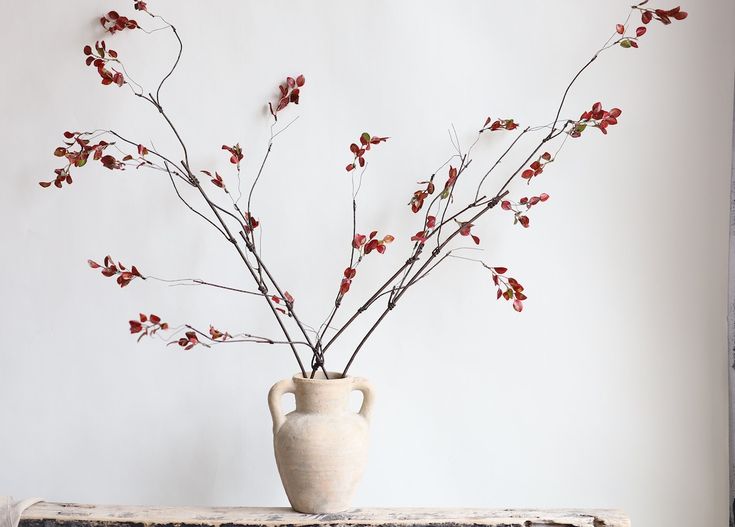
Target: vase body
point(321, 447)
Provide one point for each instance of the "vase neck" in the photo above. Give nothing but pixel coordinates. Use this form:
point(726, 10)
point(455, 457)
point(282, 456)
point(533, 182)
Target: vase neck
point(323, 397)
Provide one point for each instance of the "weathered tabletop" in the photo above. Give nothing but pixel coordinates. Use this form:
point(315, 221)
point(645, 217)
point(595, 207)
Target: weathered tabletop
point(74, 515)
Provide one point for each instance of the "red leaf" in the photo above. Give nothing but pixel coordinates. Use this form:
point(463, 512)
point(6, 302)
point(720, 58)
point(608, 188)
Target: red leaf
point(350, 273)
point(500, 270)
point(517, 305)
point(419, 237)
point(358, 240)
point(300, 80)
point(371, 245)
point(430, 222)
point(288, 297)
point(639, 32)
point(93, 264)
point(620, 28)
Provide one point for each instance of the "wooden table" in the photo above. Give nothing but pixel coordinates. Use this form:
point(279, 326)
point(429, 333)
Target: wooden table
point(75, 515)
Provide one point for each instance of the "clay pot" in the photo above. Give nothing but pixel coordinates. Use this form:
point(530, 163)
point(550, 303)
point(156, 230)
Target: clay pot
point(321, 447)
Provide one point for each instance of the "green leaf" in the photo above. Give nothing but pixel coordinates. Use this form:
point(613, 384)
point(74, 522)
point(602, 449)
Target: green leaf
point(365, 136)
point(625, 43)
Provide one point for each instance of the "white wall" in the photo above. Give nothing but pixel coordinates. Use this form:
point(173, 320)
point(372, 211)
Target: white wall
point(609, 390)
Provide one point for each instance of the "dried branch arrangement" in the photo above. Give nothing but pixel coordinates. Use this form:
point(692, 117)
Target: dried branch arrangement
point(441, 220)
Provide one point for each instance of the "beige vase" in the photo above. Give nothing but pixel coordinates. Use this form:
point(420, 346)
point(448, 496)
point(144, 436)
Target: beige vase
point(321, 447)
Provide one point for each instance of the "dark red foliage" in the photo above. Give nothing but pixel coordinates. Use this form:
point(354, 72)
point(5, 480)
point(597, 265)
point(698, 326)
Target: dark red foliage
point(290, 91)
point(250, 223)
point(537, 167)
point(216, 179)
point(508, 288)
point(464, 230)
point(498, 124)
point(597, 117)
point(216, 334)
point(110, 162)
point(359, 151)
point(77, 150)
point(364, 245)
point(368, 244)
point(147, 325)
point(665, 16)
point(418, 198)
point(141, 6)
point(188, 341)
point(235, 154)
point(114, 22)
point(100, 60)
point(110, 268)
point(449, 184)
point(524, 204)
point(420, 237)
point(344, 285)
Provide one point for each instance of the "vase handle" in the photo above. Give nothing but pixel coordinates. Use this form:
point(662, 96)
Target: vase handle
point(274, 402)
point(366, 388)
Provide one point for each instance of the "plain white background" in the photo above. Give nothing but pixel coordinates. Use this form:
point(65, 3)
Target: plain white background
point(609, 390)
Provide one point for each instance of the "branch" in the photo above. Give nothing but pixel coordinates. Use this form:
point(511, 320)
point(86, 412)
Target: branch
point(198, 281)
point(225, 229)
point(226, 338)
point(176, 189)
point(395, 296)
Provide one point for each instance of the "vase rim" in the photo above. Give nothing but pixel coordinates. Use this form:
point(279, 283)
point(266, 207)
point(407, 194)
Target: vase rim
point(334, 376)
